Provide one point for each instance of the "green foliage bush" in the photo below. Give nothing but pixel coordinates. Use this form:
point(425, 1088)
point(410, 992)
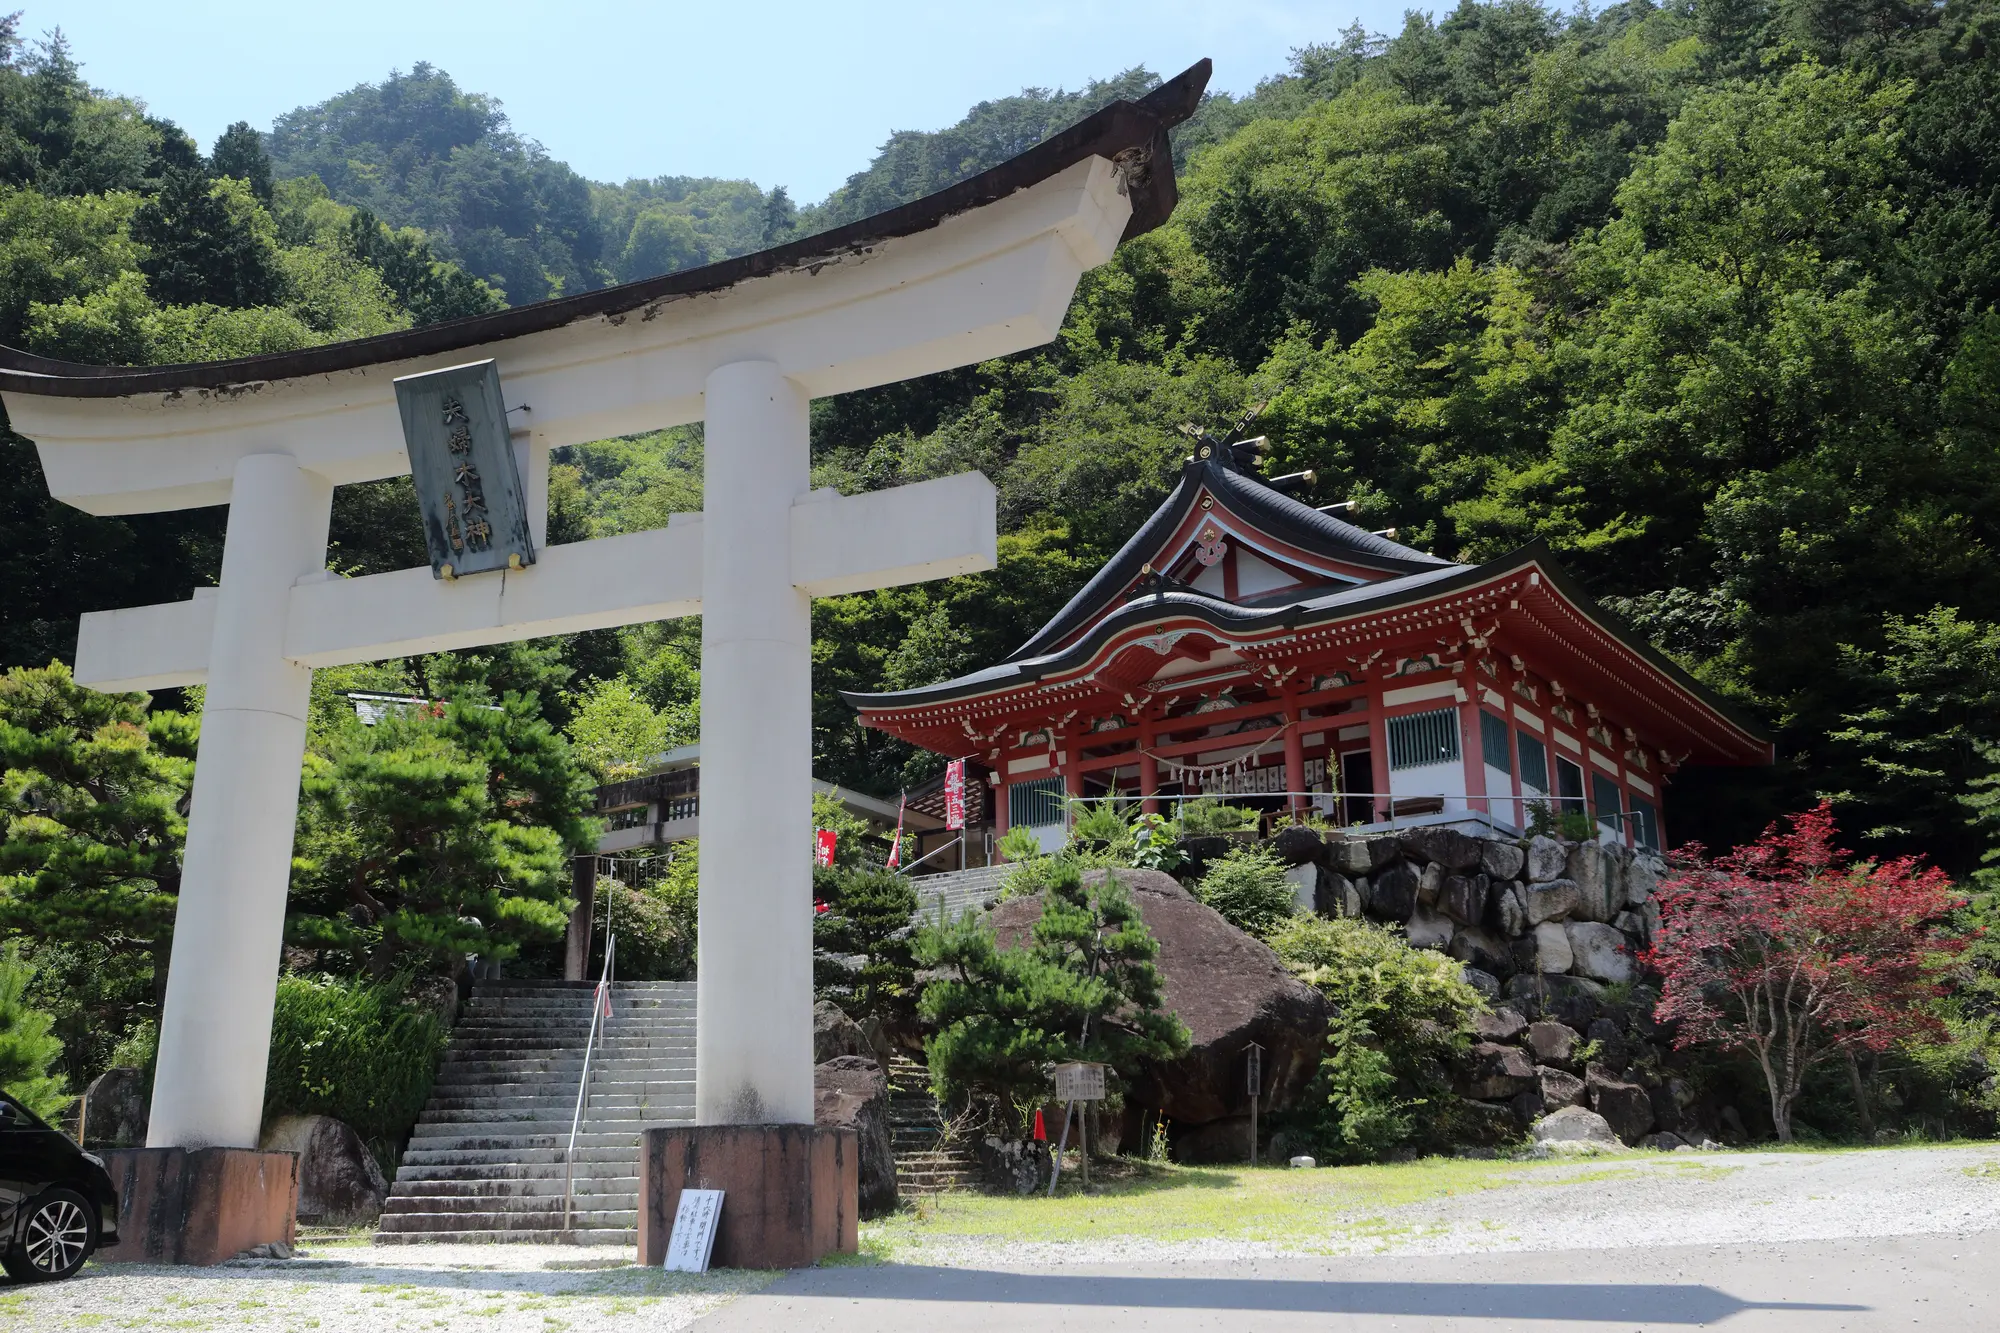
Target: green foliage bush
point(861, 942)
point(1208, 816)
point(352, 1050)
point(29, 1050)
point(654, 920)
point(1248, 886)
point(1400, 1015)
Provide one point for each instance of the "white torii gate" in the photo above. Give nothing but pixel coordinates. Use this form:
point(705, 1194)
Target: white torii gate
point(978, 271)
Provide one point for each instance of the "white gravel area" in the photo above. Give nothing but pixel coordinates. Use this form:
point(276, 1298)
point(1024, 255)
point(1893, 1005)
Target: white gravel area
point(1613, 1202)
point(1638, 1200)
point(345, 1288)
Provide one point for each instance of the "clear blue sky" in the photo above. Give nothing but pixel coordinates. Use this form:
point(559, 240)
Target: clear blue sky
point(780, 91)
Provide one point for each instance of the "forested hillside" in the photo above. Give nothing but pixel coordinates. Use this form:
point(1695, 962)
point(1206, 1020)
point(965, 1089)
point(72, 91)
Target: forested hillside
point(1702, 295)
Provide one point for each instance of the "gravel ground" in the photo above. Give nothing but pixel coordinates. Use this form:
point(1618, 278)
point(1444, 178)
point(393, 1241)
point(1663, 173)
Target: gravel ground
point(1641, 1201)
point(1644, 1200)
point(346, 1288)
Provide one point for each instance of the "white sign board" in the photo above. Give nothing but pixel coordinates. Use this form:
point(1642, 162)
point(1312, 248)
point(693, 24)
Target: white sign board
point(694, 1231)
point(1080, 1083)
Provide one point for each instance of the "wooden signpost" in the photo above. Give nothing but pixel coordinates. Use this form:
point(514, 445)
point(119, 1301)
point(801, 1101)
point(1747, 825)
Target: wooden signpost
point(693, 1238)
point(1077, 1082)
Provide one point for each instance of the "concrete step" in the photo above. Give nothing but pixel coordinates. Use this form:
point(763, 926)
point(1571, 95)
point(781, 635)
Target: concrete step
point(550, 1186)
point(547, 1219)
point(597, 1206)
point(549, 1236)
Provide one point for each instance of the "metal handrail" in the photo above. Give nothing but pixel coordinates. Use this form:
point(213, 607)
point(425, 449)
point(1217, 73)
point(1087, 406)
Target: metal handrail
point(600, 1012)
point(935, 851)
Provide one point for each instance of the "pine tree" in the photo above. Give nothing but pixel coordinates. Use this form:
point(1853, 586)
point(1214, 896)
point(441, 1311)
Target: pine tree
point(862, 957)
point(28, 1049)
point(239, 152)
point(93, 790)
point(1083, 987)
point(444, 832)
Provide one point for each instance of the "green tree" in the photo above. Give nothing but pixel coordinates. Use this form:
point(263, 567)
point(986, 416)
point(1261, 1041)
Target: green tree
point(862, 952)
point(442, 831)
point(239, 152)
point(95, 791)
point(205, 244)
point(28, 1049)
point(614, 729)
point(1083, 986)
point(660, 242)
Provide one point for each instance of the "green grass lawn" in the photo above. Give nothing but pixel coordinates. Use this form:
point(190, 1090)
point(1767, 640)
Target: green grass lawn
point(1337, 1205)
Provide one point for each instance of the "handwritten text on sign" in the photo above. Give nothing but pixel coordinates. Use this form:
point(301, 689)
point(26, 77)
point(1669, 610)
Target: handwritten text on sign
point(694, 1231)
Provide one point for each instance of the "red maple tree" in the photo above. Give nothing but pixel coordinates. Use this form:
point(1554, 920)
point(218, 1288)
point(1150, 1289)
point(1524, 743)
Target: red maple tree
point(1792, 950)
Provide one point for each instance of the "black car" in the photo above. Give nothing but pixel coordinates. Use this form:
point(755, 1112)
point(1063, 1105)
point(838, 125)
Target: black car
point(56, 1200)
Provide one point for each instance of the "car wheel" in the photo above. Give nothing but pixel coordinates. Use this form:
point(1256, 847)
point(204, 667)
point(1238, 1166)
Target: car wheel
point(57, 1235)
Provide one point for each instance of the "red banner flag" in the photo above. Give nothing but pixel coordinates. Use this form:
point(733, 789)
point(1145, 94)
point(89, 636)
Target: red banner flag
point(954, 794)
point(824, 841)
point(896, 846)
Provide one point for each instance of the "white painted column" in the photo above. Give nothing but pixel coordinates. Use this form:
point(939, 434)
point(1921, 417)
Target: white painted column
point(215, 1033)
point(753, 1022)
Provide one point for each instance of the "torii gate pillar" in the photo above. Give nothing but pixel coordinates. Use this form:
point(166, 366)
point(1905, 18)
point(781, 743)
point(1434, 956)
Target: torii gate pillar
point(753, 1031)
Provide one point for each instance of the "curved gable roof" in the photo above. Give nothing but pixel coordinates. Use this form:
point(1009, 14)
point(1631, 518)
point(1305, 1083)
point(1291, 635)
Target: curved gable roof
point(1272, 510)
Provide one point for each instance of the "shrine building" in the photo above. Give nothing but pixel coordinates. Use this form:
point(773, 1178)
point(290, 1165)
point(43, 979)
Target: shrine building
point(1246, 645)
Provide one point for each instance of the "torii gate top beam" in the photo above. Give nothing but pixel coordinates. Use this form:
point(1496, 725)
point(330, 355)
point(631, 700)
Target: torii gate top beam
point(978, 270)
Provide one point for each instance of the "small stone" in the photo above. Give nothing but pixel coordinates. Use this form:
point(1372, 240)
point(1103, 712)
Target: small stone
point(1527, 1106)
point(1573, 1124)
point(1502, 1024)
point(1303, 1163)
point(1666, 1143)
point(1553, 1043)
point(1600, 951)
point(1429, 930)
point(1350, 856)
point(1558, 1088)
point(1502, 860)
point(1551, 900)
point(1552, 951)
point(1624, 1106)
point(1633, 927)
point(1545, 859)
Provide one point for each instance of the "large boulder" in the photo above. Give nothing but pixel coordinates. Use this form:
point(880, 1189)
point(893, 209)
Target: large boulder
point(1502, 860)
point(1502, 1024)
point(1624, 1106)
point(850, 1092)
point(1551, 900)
point(1228, 987)
point(1546, 859)
point(340, 1183)
point(1552, 951)
point(1479, 947)
point(1297, 845)
point(1304, 879)
point(1599, 874)
point(1574, 1125)
point(115, 1108)
point(1363, 856)
point(835, 1034)
point(1553, 1043)
point(1429, 930)
point(1506, 910)
point(1463, 898)
point(1446, 847)
point(1641, 882)
point(1494, 1072)
point(1601, 952)
point(1392, 893)
point(1559, 1088)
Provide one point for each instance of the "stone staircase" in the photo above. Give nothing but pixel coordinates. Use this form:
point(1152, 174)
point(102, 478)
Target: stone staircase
point(926, 1162)
point(486, 1160)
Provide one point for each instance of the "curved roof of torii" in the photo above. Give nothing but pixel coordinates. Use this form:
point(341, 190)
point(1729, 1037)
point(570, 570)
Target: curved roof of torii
point(1110, 615)
point(1124, 127)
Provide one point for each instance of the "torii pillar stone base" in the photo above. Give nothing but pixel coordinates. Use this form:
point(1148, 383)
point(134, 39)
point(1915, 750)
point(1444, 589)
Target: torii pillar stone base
point(791, 1194)
point(201, 1207)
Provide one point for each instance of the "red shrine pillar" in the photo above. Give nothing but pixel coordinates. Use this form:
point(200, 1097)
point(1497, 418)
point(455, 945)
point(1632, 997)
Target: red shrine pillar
point(998, 788)
point(1295, 753)
point(1149, 769)
point(1472, 747)
point(1378, 751)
